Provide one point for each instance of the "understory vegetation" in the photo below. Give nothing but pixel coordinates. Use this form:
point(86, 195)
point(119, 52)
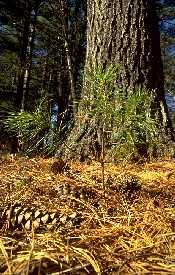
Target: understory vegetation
point(109, 125)
point(115, 125)
point(33, 130)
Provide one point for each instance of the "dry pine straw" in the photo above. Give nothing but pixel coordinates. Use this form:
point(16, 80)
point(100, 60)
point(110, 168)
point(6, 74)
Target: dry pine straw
point(120, 236)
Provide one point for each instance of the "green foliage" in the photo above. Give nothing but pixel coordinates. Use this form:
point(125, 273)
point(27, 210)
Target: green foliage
point(136, 133)
point(8, 70)
point(32, 127)
point(100, 101)
point(6, 108)
point(120, 127)
point(21, 182)
point(94, 114)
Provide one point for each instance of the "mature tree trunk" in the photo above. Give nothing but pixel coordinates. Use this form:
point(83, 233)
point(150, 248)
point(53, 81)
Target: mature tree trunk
point(124, 33)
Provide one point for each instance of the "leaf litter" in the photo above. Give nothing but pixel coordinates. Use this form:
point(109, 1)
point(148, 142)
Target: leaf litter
point(128, 229)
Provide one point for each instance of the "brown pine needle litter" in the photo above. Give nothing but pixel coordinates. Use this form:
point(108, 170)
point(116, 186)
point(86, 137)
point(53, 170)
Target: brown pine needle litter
point(130, 230)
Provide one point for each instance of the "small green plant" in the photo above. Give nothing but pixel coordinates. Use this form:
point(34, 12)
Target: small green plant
point(21, 182)
point(30, 128)
point(102, 111)
point(34, 130)
point(124, 125)
point(137, 133)
point(112, 125)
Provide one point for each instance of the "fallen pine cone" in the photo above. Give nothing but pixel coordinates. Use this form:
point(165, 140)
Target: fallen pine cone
point(59, 166)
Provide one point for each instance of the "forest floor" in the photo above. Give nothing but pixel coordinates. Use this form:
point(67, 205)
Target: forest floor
point(127, 229)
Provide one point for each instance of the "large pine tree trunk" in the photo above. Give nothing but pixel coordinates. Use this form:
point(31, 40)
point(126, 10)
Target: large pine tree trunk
point(126, 34)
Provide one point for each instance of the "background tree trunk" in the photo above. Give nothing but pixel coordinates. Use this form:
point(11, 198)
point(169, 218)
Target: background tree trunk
point(25, 35)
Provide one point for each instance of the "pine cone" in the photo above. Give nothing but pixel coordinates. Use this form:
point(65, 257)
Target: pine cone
point(59, 166)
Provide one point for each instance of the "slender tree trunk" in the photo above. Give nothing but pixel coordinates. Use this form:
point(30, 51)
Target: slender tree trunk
point(23, 57)
point(30, 48)
point(44, 76)
point(60, 9)
point(71, 78)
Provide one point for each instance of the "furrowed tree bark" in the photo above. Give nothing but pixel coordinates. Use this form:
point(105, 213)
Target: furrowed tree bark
point(123, 33)
point(126, 33)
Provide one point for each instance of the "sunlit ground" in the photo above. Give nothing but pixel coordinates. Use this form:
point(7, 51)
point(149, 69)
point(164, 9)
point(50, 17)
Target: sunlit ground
point(126, 228)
